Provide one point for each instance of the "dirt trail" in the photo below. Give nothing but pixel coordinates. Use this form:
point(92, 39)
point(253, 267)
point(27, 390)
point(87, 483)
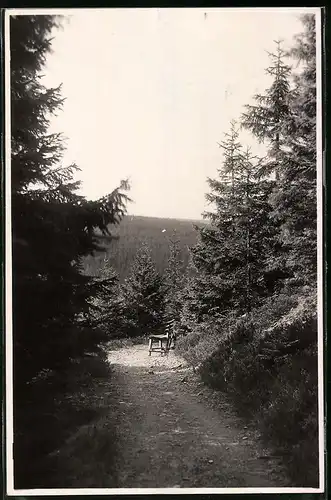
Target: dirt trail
point(171, 431)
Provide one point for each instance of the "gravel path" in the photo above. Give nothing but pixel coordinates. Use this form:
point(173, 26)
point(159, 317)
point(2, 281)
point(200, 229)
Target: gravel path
point(171, 431)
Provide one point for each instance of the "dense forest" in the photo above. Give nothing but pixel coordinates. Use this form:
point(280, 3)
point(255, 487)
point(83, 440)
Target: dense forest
point(241, 286)
point(127, 237)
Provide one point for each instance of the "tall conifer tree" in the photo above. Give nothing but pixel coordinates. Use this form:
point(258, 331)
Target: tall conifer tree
point(295, 202)
point(174, 280)
point(265, 119)
point(230, 253)
point(53, 226)
point(144, 295)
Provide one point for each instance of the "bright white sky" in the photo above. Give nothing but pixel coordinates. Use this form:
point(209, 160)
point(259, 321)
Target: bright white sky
point(150, 92)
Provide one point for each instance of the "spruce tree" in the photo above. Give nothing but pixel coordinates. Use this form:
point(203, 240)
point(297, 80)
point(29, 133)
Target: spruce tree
point(295, 201)
point(230, 252)
point(144, 295)
point(53, 227)
point(189, 314)
point(107, 307)
point(265, 119)
point(174, 280)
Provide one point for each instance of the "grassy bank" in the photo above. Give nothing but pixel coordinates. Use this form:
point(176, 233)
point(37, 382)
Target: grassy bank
point(271, 379)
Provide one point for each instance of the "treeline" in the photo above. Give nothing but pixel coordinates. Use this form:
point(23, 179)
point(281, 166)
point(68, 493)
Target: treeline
point(146, 299)
point(132, 233)
point(145, 266)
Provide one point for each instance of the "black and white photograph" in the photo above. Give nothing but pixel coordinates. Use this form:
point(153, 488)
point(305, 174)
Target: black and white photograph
point(164, 251)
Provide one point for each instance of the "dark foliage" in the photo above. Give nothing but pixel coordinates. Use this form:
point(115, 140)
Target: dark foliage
point(173, 278)
point(53, 228)
point(143, 294)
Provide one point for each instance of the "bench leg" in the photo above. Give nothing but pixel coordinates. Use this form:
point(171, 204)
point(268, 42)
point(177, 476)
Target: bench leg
point(150, 347)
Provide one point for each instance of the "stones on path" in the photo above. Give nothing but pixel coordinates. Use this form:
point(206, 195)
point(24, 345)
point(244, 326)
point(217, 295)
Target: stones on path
point(179, 431)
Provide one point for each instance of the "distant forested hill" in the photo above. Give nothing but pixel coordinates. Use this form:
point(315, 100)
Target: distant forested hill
point(130, 234)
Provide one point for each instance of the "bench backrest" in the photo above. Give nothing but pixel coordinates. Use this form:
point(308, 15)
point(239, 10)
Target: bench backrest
point(169, 331)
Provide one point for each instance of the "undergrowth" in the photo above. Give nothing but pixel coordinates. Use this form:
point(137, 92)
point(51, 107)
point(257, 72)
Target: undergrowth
point(115, 344)
point(57, 406)
point(269, 370)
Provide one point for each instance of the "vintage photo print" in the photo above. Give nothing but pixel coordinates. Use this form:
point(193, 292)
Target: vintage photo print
point(164, 264)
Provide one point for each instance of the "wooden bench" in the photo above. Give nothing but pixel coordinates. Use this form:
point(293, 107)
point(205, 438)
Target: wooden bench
point(163, 341)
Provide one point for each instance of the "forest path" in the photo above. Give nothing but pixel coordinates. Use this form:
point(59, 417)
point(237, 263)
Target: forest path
point(172, 431)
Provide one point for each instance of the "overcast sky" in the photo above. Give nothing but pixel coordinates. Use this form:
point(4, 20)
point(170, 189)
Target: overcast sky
point(150, 92)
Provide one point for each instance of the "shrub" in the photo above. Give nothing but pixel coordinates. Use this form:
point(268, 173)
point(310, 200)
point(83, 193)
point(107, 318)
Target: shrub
point(290, 418)
point(58, 403)
point(267, 363)
point(197, 346)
